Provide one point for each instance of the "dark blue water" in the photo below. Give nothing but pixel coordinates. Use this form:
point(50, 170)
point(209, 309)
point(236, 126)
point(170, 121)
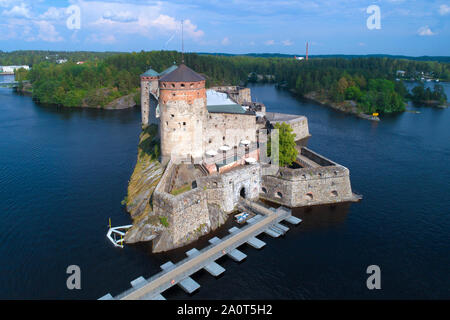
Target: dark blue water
point(64, 172)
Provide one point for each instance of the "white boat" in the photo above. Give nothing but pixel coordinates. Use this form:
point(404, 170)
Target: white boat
point(241, 217)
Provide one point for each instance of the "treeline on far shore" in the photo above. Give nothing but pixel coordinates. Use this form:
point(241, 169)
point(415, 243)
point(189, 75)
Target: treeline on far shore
point(373, 83)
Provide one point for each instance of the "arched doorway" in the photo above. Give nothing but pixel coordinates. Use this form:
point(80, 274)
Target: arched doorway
point(242, 192)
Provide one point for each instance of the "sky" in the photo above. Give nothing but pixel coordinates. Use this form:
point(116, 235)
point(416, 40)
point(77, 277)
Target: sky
point(403, 27)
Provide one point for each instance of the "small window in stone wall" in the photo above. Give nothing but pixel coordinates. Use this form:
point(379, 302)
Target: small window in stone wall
point(173, 85)
point(309, 196)
point(184, 123)
point(334, 193)
point(279, 195)
point(264, 190)
point(182, 85)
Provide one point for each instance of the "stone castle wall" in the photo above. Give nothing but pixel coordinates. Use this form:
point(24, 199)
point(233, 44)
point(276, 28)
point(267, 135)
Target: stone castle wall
point(187, 214)
point(299, 124)
point(149, 86)
point(228, 129)
point(224, 190)
point(308, 186)
point(238, 94)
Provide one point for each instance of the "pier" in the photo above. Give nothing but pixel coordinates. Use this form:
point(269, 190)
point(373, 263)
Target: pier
point(265, 220)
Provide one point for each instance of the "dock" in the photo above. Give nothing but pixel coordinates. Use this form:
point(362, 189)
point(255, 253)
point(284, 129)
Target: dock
point(265, 221)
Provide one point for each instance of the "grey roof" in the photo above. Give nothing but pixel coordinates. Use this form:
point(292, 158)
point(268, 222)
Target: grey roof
point(168, 70)
point(182, 74)
point(226, 108)
point(150, 73)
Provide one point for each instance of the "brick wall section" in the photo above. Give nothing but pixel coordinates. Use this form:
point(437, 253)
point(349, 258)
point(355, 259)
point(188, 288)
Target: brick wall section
point(183, 117)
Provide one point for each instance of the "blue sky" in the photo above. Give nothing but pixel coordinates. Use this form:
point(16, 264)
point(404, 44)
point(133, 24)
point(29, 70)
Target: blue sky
point(237, 26)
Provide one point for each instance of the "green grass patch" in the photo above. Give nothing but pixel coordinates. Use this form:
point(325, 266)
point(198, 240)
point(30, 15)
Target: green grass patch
point(164, 221)
point(181, 190)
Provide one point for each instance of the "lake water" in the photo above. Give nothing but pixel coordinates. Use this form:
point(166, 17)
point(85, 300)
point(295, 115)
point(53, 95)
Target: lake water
point(64, 172)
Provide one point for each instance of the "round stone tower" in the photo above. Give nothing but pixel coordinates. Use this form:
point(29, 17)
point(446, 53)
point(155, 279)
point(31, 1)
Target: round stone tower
point(182, 104)
point(149, 86)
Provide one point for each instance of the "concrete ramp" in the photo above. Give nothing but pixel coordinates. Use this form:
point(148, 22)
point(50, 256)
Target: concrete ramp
point(214, 240)
point(167, 266)
point(192, 253)
point(153, 297)
point(272, 233)
point(214, 269)
point(256, 243)
point(234, 229)
point(107, 297)
point(139, 282)
point(188, 285)
point(280, 226)
point(276, 229)
point(236, 255)
point(293, 220)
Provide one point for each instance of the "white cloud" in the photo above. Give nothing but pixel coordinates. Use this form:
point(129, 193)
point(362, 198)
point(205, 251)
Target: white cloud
point(103, 39)
point(53, 13)
point(6, 3)
point(425, 31)
point(47, 32)
point(226, 41)
point(124, 16)
point(21, 11)
point(167, 23)
point(444, 9)
point(269, 42)
point(142, 20)
point(287, 43)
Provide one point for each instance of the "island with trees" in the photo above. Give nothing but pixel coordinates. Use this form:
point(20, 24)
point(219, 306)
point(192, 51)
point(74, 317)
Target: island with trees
point(358, 85)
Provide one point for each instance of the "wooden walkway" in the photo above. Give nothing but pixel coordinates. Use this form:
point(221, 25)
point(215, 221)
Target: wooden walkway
point(266, 220)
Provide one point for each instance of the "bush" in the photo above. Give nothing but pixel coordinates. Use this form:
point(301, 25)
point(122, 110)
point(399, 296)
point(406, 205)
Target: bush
point(164, 221)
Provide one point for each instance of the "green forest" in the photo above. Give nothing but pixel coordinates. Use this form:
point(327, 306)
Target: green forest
point(370, 82)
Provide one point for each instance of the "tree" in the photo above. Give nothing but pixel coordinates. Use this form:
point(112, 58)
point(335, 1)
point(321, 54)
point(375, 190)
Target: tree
point(287, 151)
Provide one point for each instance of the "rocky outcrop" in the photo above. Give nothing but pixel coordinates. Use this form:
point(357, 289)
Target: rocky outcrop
point(347, 106)
point(124, 102)
point(146, 176)
point(146, 229)
point(109, 99)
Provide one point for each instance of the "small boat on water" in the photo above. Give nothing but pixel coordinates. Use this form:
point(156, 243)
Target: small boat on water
point(241, 217)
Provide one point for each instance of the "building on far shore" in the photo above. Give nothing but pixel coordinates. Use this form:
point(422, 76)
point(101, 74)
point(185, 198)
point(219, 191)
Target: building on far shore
point(11, 69)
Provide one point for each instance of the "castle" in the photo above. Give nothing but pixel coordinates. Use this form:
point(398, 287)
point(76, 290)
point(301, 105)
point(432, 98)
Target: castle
point(212, 142)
